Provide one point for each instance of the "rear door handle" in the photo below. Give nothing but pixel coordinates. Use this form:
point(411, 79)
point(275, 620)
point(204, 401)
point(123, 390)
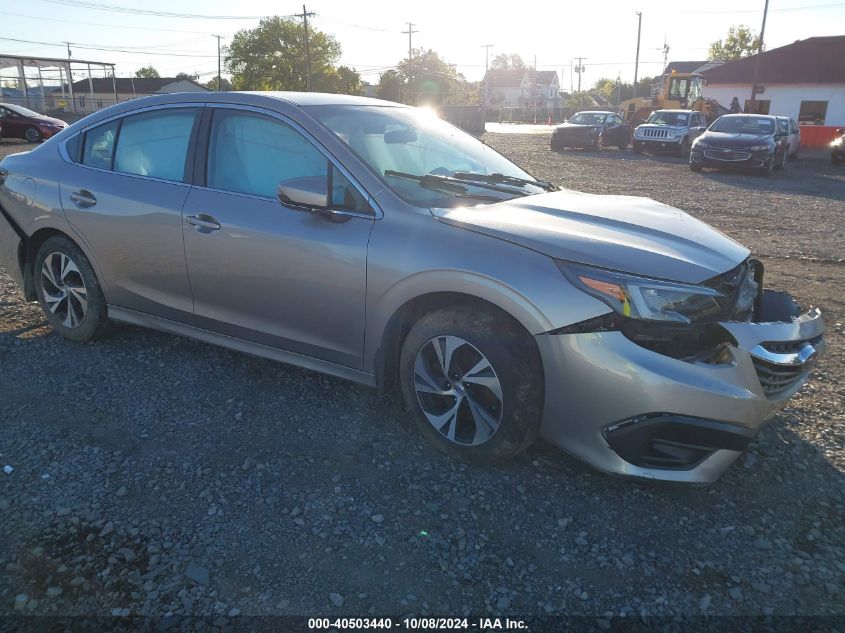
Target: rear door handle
point(83, 198)
point(203, 221)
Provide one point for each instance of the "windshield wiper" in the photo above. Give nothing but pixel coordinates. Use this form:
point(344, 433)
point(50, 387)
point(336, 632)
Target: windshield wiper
point(449, 185)
point(503, 180)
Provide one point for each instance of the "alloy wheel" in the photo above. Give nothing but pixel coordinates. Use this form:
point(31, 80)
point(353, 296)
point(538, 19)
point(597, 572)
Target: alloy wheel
point(32, 135)
point(64, 289)
point(458, 390)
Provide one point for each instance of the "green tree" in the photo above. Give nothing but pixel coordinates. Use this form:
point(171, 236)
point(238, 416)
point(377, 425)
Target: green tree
point(187, 76)
point(740, 42)
point(505, 61)
point(429, 80)
point(212, 84)
point(340, 80)
point(390, 86)
point(147, 72)
point(272, 56)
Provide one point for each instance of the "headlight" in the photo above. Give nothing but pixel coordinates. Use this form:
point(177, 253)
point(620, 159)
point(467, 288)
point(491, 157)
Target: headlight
point(699, 145)
point(644, 298)
point(761, 148)
point(671, 133)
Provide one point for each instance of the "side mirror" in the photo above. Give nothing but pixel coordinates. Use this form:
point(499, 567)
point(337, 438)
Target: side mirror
point(311, 193)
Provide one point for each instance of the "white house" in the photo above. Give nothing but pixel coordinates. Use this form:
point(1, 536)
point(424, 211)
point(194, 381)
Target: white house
point(804, 80)
point(522, 88)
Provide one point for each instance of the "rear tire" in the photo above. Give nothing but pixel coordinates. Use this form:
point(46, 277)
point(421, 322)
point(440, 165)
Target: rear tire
point(68, 290)
point(479, 416)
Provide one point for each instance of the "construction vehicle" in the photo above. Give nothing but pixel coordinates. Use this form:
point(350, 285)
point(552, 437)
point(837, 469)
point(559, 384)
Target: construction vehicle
point(672, 91)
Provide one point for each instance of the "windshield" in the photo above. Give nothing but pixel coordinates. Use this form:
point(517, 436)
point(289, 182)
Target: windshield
point(668, 118)
point(21, 110)
point(415, 142)
point(588, 118)
point(743, 125)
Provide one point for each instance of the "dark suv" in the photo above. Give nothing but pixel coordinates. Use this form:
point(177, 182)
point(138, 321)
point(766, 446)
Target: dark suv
point(19, 122)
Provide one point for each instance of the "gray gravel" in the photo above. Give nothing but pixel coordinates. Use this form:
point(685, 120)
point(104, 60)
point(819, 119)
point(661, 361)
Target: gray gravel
point(157, 475)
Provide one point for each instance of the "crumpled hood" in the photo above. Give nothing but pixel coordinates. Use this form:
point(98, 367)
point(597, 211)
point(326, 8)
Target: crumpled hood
point(631, 234)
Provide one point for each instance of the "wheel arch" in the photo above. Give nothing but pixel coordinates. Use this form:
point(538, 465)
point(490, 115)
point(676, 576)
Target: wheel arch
point(29, 250)
point(401, 320)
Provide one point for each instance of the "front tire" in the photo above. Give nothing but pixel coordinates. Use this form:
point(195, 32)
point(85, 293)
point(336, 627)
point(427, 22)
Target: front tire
point(32, 135)
point(68, 290)
point(474, 380)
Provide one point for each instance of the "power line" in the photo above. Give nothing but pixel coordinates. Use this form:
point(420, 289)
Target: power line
point(102, 48)
point(162, 14)
point(110, 25)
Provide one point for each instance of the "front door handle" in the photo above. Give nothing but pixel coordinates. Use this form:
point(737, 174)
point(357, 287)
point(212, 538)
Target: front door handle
point(83, 198)
point(203, 221)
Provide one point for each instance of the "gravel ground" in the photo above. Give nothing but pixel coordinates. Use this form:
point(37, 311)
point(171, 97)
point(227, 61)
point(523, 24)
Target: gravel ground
point(157, 475)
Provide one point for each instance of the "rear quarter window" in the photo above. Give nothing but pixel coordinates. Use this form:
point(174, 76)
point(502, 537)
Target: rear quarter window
point(99, 145)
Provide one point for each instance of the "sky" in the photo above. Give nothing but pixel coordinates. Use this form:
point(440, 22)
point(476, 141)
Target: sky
point(603, 33)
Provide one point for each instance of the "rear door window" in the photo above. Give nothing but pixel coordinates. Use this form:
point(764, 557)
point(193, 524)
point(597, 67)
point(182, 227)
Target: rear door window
point(99, 145)
point(155, 144)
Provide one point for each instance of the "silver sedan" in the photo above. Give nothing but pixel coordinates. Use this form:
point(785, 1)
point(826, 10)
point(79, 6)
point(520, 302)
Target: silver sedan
point(375, 242)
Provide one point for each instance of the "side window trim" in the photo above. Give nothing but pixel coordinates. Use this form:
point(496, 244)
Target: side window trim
point(201, 159)
point(77, 160)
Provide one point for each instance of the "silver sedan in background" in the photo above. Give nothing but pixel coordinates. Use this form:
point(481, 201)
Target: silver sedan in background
point(375, 242)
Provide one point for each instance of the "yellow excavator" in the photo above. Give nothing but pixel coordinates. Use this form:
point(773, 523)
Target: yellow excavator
point(672, 91)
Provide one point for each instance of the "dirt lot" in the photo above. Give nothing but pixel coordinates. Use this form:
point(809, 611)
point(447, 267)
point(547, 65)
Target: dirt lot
point(155, 475)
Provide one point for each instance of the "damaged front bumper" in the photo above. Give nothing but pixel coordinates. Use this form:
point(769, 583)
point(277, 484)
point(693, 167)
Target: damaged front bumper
point(627, 405)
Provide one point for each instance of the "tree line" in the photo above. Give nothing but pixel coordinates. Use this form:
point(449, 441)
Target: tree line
point(273, 56)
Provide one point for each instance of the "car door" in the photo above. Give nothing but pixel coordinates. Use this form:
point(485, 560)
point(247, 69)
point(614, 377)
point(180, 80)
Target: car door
point(264, 271)
point(124, 195)
point(620, 131)
point(10, 123)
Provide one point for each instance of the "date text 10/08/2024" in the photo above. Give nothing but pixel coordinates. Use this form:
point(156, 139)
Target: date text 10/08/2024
point(436, 624)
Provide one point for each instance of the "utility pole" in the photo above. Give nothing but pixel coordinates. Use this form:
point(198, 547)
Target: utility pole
point(219, 76)
point(486, 95)
point(754, 86)
point(410, 33)
point(305, 15)
point(637, 61)
point(665, 53)
point(534, 89)
point(579, 69)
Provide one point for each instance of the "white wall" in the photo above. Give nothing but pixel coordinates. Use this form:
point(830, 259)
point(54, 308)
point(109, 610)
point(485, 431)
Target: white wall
point(786, 99)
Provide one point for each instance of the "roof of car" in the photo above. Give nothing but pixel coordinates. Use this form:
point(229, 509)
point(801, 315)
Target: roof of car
point(679, 111)
point(319, 98)
point(735, 114)
point(594, 112)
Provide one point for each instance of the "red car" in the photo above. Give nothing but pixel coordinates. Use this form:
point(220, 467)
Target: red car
point(19, 122)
